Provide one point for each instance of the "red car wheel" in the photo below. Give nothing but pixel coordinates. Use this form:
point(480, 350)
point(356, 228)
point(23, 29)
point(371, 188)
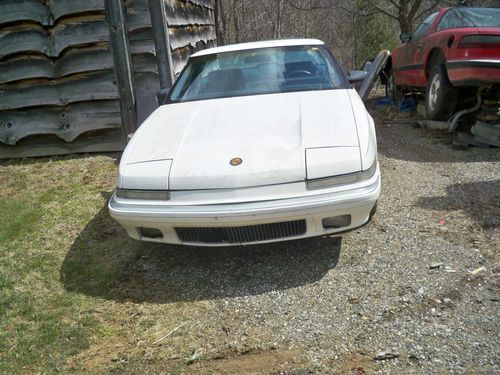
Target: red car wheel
point(440, 97)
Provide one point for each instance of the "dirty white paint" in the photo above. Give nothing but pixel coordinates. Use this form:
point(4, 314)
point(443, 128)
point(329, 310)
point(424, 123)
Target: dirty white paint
point(270, 133)
point(283, 141)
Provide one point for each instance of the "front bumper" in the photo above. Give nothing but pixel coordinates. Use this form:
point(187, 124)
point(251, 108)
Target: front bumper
point(357, 202)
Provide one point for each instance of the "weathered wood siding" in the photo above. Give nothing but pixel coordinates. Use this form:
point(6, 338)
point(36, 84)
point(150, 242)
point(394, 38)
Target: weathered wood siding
point(191, 28)
point(58, 89)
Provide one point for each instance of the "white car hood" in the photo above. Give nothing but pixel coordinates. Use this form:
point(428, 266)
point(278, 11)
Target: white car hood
point(270, 133)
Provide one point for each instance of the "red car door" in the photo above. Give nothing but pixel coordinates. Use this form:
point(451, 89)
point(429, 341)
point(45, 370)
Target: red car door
point(408, 65)
point(402, 65)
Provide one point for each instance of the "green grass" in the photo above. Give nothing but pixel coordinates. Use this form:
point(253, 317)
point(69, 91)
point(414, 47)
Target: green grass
point(41, 324)
point(73, 298)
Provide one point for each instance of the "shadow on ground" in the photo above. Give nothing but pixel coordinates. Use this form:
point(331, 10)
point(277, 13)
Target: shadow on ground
point(104, 262)
point(478, 200)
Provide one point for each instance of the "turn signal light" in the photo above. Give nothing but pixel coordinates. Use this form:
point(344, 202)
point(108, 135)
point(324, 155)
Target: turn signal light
point(161, 195)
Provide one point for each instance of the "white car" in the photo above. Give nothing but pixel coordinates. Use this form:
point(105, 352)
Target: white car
point(257, 142)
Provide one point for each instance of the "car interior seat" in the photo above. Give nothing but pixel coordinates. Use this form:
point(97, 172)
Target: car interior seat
point(225, 80)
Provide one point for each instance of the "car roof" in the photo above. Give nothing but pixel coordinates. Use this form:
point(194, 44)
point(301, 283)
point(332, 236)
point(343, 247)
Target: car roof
point(256, 45)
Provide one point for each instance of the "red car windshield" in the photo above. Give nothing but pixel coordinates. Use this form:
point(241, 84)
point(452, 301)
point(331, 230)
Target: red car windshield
point(470, 17)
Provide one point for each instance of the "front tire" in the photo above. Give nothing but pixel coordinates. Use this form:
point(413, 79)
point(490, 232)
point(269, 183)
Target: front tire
point(440, 96)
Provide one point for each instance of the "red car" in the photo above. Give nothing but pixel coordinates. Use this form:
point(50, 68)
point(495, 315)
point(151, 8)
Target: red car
point(450, 52)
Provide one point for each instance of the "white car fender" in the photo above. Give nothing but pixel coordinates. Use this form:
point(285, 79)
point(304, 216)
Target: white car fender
point(366, 130)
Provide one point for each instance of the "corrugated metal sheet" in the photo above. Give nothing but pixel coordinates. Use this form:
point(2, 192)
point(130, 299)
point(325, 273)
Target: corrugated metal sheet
point(56, 79)
point(58, 91)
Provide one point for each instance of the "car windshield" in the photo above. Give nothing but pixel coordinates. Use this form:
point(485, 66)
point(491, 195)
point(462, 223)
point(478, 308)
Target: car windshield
point(258, 71)
point(424, 27)
point(470, 17)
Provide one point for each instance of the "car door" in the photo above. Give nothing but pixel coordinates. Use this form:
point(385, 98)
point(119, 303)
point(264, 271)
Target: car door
point(415, 65)
point(401, 60)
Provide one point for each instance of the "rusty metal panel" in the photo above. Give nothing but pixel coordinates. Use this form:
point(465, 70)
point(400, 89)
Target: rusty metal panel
point(40, 66)
point(58, 86)
point(57, 83)
point(23, 10)
point(73, 62)
point(63, 8)
point(190, 28)
point(43, 145)
point(66, 122)
point(45, 14)
point(34, 38)
point(91, 86)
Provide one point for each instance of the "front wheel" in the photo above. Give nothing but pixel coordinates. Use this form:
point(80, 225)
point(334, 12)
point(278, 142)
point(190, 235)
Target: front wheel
point(440, 96)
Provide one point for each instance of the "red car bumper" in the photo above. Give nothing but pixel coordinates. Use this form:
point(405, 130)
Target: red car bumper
point(480, 72)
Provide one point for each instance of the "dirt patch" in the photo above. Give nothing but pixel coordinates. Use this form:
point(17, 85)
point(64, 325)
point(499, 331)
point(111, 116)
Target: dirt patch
point(355, 364)
point(253, 362)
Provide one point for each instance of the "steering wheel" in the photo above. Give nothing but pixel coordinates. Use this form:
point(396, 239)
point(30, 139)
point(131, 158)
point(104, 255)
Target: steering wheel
point(299, 73)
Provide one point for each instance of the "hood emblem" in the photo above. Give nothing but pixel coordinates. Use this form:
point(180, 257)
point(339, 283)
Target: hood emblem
point(235, 161)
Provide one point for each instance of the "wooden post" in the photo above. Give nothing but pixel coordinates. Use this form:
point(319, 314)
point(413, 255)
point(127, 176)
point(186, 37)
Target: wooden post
point(115, 14)
point(162, 43)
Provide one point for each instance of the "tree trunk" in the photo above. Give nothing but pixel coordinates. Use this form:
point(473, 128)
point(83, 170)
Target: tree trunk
point(236, 23)
point(220, 23)
point(278, 18)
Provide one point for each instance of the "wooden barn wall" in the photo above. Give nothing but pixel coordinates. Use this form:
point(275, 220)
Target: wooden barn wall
point(58, 91)
point(57, 88)
point(191, 27)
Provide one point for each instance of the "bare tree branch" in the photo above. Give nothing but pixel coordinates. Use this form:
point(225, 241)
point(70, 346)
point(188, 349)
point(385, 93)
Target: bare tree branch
point(396, 5)
point(313, 7)
point(380, 9)
point(434, 4)
point(416, 5)
point(336, 6)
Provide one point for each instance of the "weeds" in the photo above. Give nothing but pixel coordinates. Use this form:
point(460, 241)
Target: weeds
point(195, 356)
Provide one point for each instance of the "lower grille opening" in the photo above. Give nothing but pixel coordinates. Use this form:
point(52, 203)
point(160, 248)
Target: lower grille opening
point(245, 234)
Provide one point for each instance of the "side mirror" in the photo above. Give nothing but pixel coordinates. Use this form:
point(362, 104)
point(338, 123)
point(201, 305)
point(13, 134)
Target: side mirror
point(405, 37)
point(367, 65)
point(357, 75)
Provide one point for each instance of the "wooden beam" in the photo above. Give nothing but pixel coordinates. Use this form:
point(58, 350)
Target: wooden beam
point(115, 15)
point(162, 43)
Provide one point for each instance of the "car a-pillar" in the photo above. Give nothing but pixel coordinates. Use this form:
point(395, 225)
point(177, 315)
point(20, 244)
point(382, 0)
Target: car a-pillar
point(441, 96)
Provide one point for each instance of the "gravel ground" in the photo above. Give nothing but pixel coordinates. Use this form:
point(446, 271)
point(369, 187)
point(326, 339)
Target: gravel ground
point(418, 283)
